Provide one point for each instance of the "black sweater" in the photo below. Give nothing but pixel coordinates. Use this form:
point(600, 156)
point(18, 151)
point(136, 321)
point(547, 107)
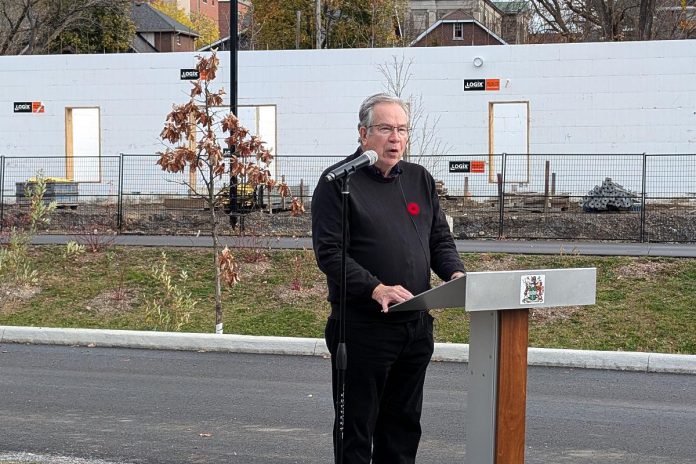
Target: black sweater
point(397, 233)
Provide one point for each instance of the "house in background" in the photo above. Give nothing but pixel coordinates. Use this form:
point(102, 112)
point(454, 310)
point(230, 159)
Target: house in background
point(457, 28)
point(516, 19)
point(217, 10)
point(207, 8)
point(243, 13)
point(157, 32)
point(244, 23)
point(496, 17)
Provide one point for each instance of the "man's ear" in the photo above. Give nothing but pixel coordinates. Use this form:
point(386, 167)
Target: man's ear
point(362, 131)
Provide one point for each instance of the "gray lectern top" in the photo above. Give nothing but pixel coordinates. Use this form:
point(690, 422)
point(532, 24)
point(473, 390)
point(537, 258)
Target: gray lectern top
point(496, 290)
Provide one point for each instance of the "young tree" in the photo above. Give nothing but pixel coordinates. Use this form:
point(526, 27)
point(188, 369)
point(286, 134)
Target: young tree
point(197, 120)
point(424, 146)
point(17, 268)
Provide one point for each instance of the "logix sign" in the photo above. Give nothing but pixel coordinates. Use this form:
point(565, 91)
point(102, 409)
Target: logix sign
point(459, 166)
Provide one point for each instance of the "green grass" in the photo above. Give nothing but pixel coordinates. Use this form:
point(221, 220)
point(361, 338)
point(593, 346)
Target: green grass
point(643, 304)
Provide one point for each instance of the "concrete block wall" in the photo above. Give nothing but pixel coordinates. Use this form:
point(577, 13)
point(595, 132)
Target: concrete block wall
point(612, 98)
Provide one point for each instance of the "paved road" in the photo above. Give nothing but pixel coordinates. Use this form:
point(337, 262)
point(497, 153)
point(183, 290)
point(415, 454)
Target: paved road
point(148, 406)
point(684, 250)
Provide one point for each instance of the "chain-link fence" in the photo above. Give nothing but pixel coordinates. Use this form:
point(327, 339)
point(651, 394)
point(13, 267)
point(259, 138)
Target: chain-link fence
point(629, 197)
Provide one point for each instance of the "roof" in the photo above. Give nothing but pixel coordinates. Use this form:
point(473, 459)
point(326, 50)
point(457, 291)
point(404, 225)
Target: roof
point(221, 44)
point(149, 19)
point(224, 45)
point(456, 17)
point(140, 45)
point(512, 7)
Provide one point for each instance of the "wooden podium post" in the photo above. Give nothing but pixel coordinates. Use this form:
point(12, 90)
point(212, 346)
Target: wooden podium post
point(499, 303)
point(512, 386)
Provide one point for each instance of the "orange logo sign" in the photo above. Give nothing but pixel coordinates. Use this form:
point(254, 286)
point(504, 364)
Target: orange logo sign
point(492, 84)
point(478, 166)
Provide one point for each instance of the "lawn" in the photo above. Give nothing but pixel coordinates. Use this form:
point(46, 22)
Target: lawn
point(643, 304)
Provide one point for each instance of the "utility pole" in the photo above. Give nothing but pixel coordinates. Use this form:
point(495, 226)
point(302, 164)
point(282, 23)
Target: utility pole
point(317, 23)
point(234, 47)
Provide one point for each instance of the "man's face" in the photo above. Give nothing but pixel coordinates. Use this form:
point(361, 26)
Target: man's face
point(389, 145)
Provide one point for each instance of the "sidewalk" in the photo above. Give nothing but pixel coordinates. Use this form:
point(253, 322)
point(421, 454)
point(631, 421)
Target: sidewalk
point(552, 247)
point(453, 352)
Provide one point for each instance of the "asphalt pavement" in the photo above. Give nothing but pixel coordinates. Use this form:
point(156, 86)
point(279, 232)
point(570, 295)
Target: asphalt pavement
point(675, 250)
point(137, 406)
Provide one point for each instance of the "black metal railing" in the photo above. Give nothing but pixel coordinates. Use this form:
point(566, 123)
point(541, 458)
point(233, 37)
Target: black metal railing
point(486, 196)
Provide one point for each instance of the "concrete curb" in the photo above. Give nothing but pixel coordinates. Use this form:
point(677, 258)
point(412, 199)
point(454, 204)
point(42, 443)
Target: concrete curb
point(164, 340)
point(453, 352)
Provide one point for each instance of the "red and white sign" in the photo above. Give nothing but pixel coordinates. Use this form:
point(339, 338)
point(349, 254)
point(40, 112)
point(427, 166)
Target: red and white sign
point(478, 166)
point(492, 84)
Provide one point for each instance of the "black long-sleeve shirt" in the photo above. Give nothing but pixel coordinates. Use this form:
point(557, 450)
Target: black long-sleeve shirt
point(397, 233)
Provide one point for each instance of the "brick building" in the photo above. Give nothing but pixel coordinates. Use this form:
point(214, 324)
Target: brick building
point(457, 28)
point(157, 32)
point(508, 20)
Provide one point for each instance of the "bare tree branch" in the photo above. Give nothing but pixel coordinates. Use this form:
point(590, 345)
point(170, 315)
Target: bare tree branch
point(31, 26)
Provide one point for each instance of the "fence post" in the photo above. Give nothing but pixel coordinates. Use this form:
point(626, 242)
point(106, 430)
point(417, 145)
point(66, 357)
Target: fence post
point(302, 191)
point(501, 196)
point(2, 191)
point(282, 199)
point(642, 199)
point(547, 172)
point(119, 214)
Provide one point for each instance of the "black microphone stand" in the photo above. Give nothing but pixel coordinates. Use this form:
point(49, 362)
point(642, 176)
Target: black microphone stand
point(341, 353)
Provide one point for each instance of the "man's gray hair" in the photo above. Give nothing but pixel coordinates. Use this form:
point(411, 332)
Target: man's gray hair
point(367, 107)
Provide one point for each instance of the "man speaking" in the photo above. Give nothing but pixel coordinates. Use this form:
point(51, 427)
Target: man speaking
point(397, 233)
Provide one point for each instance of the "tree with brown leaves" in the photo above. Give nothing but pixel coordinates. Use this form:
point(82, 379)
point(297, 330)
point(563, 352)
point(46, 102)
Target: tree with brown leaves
point(197, 120)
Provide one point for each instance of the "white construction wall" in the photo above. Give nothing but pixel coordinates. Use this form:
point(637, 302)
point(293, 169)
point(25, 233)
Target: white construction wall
point(611, 98)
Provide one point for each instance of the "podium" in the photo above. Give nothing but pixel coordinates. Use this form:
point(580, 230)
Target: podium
point(499, 304)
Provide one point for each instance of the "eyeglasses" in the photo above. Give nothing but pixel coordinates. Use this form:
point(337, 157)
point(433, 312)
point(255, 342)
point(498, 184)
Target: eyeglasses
point(386, 129)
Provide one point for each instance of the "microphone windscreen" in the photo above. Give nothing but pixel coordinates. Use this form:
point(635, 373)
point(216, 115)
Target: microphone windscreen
point(372, 155)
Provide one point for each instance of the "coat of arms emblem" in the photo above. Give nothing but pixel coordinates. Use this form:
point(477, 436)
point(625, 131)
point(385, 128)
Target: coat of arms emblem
point(532, 289)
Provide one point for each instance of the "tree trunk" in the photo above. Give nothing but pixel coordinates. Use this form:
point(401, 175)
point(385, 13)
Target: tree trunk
point(317, 23)
point(645, 20)
point(606, 14)
point(216, 253)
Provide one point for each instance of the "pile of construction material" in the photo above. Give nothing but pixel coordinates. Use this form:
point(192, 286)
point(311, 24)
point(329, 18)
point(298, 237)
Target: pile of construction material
point(609, 196)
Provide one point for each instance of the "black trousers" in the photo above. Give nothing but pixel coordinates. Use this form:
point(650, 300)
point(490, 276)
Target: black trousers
point(384, 388)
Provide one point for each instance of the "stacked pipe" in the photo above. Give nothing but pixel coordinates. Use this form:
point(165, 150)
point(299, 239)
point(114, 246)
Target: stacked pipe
point(608, 196)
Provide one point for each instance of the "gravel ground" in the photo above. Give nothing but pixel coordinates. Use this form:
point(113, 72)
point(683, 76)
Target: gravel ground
point(663, 222)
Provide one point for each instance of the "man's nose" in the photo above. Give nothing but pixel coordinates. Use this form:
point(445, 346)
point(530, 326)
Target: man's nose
point(394, 135)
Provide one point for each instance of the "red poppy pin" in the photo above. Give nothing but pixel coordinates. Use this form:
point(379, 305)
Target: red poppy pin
point(413, 209)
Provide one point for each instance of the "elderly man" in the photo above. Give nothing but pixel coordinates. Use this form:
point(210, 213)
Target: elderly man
point(397, 234)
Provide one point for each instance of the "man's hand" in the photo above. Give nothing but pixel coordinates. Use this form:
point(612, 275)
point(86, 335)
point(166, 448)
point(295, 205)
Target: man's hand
point(385, 295)
point(457, 274)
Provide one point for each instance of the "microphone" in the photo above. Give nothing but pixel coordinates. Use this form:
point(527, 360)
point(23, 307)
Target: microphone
point(368, 158)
